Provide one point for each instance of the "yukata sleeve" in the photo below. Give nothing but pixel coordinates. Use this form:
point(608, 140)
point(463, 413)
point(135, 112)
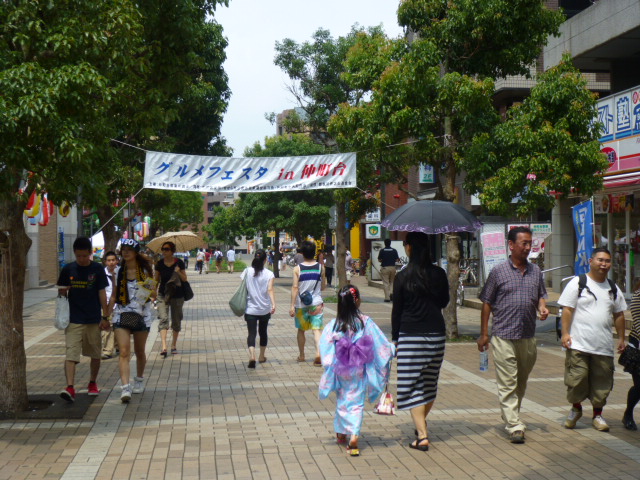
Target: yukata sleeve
point(328, 356)
point(377, 372)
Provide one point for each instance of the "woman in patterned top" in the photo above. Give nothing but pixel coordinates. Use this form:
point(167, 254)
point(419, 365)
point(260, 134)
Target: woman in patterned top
point(632, 365)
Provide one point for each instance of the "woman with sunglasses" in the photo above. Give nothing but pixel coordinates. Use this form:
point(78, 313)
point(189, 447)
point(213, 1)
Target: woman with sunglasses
point(133, 313)
point(169, 301)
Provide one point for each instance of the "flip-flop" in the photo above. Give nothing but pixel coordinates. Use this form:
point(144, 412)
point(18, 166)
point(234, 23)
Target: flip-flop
point(174, 351)
point(263, 360)
point(163, 354)
point(300, 359)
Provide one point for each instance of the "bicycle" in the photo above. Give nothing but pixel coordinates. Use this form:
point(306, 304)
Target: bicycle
point(462, 278)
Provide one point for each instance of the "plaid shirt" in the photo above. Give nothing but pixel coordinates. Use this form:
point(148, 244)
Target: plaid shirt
point(514, 297)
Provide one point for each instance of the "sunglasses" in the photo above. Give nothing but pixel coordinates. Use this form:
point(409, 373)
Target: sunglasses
point(165, 249)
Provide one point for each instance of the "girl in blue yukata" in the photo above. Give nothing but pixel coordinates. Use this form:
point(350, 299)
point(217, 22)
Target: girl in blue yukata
point(356, 357)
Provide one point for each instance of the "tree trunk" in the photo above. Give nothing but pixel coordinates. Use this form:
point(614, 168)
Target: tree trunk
point(14, 245)
point(341, 243)
point(111, 237)
point(453, 251)
point(276, 255)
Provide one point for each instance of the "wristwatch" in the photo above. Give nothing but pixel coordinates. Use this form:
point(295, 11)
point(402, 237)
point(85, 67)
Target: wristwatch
point(105, 318)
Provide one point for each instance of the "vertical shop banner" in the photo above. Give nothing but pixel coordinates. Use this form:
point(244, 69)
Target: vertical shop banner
point(494, 250)
point(583, 224)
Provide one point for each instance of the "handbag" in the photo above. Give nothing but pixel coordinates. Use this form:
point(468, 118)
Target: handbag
point(130, 320)
point(238, 302)
point(630, 359)
point(307, 297)
point(62, 313)
point(385, 405)
point(187, 291)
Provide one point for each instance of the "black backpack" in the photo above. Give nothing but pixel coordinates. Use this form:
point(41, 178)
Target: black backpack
point(582, 285)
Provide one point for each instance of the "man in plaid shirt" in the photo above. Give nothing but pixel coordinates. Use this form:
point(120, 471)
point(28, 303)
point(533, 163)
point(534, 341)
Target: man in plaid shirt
point(513, 292)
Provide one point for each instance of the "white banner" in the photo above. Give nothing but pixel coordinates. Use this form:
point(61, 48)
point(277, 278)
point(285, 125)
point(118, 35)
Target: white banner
point(171, 171)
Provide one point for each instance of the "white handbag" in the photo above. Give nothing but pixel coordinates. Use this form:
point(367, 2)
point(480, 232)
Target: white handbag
point(62, 313)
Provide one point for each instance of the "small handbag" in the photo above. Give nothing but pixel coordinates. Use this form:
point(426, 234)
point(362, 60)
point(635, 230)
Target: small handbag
point(630, 359)
point(385, 405)
point(238, 302)
point(62, 313)
point(131, 320)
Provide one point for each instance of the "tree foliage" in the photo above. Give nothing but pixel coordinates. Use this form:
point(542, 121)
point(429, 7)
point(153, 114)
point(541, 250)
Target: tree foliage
point(172, 210)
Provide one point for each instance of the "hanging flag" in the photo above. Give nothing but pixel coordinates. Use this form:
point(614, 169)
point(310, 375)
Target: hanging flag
point(169, 171)
point(583, 225)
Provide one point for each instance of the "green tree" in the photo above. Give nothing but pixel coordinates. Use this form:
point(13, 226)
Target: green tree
point(171, 210)
point(228, 225)
point(438, 93)
point(56, 94)
point(300, 213)
point(316, 69)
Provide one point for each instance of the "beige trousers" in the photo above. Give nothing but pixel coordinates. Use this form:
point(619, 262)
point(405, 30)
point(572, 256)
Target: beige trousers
point(388, 275)
point(513, 361)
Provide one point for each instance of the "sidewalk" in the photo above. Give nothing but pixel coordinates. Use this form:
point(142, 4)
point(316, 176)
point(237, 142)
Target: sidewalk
point(204, 414)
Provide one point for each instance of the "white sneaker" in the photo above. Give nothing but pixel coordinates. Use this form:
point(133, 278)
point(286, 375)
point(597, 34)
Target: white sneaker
point(573, 417)
point(126, 393)
point(600, 424)
point(138, 384)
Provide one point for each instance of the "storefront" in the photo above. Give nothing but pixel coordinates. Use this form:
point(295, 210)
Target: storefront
point(617, 208)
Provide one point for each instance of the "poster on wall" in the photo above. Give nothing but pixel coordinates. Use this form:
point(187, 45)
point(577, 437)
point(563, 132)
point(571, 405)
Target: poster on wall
point(376, 246)
point(540, 232)
point(601, 204)
point(494, 250)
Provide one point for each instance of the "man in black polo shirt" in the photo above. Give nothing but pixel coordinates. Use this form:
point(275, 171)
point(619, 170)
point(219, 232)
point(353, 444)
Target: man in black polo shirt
point(388, 257)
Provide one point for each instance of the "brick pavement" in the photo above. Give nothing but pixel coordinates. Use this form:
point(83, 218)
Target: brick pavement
point(204, 414)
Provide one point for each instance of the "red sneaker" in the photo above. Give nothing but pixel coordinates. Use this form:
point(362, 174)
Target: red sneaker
point(93, 389)
point(68, 394)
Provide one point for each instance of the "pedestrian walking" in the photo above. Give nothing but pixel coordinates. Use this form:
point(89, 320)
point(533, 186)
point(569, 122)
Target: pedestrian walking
point(591, 306)
point(219, 256)
point(420, 292)
point(513, 291)
point(200, 257)
point(108, 336)
point(388, 257)
point(308, 282)
point(133, 314)
point(83, 282)
point(170, 295)
point(329, 263)
point(208, 260)
point(231, 258)
point(631, 362)
point(356, 357)
point(261, 304)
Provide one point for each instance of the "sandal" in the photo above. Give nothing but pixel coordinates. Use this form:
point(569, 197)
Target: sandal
point(252, 364)
point(353, 451)
point(300, 358)
point(174, 351)
point(417, 444)
point(317, 362)
point(341, 438)
point(263, 360)
point(163, 354)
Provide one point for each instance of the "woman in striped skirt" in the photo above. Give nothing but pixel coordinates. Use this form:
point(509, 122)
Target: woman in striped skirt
point(420, 292)
point(631, 362)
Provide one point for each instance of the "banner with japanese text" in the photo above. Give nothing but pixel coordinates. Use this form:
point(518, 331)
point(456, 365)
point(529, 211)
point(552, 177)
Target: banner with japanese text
point(171, 171)
point(583, 224)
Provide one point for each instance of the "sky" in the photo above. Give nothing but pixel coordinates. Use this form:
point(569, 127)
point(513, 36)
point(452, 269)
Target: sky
point(252, 28)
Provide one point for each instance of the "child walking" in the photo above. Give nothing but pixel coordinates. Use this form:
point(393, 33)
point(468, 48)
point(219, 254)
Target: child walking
point(356, 357)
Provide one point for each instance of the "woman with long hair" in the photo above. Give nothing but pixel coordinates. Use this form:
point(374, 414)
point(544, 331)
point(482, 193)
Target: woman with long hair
point(356, 357)
point(133, 313)
point(420, 292)
point(172, 301)
point(261, 304)
point(632, 361)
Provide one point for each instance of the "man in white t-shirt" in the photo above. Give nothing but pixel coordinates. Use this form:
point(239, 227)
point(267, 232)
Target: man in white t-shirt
point(200, 260)
point(588, 314)
point(231, 258)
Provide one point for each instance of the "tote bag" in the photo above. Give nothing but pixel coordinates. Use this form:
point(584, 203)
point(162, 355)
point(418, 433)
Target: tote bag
point(238, 302)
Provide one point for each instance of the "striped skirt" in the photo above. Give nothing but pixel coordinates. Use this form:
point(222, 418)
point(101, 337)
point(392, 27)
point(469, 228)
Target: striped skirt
point(419, 361)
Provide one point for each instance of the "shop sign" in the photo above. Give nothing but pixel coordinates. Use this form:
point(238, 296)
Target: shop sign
point(426, 173)
point(613, 203)
point(373, 231)
point(373, 216)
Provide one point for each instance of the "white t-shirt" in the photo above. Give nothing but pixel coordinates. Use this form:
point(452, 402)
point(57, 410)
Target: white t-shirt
point(231, 255)
point(258, 300)
point(200, 255)
point(593, 319)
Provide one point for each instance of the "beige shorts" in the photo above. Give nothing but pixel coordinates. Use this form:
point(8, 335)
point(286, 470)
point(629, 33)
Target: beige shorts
point(83, 338)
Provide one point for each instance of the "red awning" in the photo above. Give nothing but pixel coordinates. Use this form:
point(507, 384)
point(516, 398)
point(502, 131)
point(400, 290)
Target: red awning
point(624, 180)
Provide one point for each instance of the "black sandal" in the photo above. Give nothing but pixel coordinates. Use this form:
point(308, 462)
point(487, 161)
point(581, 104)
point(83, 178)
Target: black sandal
point(416, 444)
point(163, 354)
point(252, 364)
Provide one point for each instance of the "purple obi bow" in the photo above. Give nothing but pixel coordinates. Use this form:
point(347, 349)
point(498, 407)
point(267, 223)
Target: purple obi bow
point(353, 354)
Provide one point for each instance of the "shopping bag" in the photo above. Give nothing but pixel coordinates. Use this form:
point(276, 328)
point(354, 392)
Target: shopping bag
point(238, 302)
point(385, 405)
point(62, 313)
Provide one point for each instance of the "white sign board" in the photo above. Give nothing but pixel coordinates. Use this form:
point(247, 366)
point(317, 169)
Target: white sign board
point(494, 250)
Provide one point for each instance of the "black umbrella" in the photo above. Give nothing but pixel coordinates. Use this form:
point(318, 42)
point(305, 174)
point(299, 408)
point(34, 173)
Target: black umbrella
point(432, 216)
